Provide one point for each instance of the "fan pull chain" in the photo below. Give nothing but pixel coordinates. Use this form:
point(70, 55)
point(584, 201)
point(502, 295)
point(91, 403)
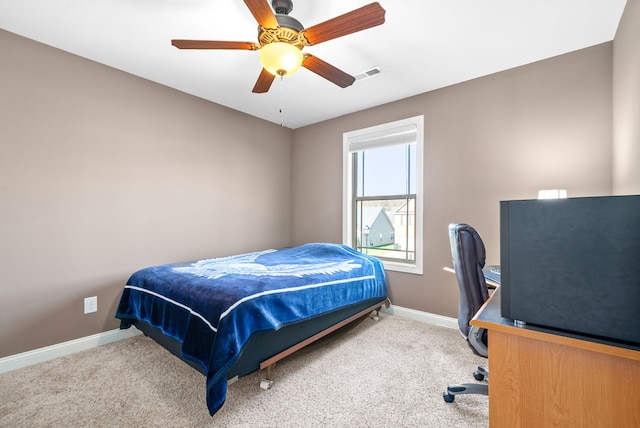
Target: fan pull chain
point(281, 102)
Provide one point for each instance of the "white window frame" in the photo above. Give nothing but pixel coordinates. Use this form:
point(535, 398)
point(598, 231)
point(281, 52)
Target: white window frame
point(374, 137)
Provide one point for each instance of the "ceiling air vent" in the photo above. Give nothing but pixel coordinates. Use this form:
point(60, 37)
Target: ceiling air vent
point(369, 73)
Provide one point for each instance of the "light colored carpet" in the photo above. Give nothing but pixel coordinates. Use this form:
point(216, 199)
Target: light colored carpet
point(386, 373)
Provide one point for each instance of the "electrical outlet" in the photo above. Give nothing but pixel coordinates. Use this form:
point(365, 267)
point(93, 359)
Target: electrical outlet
point(90, 304)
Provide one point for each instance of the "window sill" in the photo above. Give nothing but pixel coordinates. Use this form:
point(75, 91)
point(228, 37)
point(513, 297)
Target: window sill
point(414, 269)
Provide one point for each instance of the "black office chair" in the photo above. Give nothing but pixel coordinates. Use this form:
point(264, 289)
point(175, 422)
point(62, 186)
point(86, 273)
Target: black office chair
point(468, 253)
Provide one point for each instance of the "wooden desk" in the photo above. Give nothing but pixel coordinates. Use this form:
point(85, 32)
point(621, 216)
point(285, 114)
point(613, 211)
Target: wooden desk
point(540, 378)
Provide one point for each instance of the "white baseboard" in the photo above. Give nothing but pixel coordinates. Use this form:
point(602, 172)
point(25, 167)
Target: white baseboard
point(47, 353)
point(427, 317)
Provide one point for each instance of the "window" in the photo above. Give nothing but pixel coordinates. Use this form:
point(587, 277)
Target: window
point(382, 208)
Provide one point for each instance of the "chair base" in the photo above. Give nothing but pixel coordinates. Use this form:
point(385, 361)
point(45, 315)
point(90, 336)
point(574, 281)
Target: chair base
point(464, 388)
point(468, 388)
point(481, 374)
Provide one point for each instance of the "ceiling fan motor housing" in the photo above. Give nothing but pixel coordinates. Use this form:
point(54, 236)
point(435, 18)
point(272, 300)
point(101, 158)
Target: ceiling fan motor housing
point(287, 31)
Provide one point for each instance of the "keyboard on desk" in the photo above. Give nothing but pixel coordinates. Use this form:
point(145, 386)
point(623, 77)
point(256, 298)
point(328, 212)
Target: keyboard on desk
point(492, 273)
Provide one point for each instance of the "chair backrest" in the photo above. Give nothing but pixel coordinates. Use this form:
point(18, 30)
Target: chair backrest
point(468, 253)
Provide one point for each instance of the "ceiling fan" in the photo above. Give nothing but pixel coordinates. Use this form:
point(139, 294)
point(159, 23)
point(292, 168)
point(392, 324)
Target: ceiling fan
point(282, 37)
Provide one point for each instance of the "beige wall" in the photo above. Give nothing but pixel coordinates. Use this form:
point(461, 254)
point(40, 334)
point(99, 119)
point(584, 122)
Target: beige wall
point(103, 173)
point(626, 102)
point(504, 136)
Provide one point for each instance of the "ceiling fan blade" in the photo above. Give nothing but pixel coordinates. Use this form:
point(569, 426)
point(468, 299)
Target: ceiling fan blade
point(213, 44)
point(263, 83)
point(360, 19)
point(262, 12)
point(328, 71)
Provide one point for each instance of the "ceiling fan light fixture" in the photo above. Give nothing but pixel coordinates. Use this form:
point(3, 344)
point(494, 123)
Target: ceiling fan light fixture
point(280, 58)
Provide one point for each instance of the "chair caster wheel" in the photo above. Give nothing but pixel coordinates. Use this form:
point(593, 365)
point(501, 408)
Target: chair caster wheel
point(266, 384)
point(448, 398)
point(478, 376)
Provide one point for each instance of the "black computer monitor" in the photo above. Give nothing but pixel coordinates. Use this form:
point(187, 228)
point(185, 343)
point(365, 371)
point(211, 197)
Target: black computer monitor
point(573, 264)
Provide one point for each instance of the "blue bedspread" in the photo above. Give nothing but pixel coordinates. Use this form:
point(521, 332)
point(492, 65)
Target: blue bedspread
point(213, 306)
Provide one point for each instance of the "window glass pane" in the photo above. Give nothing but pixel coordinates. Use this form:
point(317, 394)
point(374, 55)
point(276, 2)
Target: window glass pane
point(385, 228)
point(386, 171)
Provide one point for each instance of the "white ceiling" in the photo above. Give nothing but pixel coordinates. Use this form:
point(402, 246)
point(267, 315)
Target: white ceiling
point(422, 46)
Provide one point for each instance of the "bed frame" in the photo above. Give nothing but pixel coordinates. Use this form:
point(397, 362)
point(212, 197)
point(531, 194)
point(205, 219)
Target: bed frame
point(264, 349)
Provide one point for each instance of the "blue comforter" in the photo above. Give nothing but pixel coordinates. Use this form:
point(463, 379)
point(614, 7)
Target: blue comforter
point(213, 306)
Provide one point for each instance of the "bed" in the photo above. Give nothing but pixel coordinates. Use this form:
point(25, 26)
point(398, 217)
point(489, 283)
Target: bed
point(231, 316)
